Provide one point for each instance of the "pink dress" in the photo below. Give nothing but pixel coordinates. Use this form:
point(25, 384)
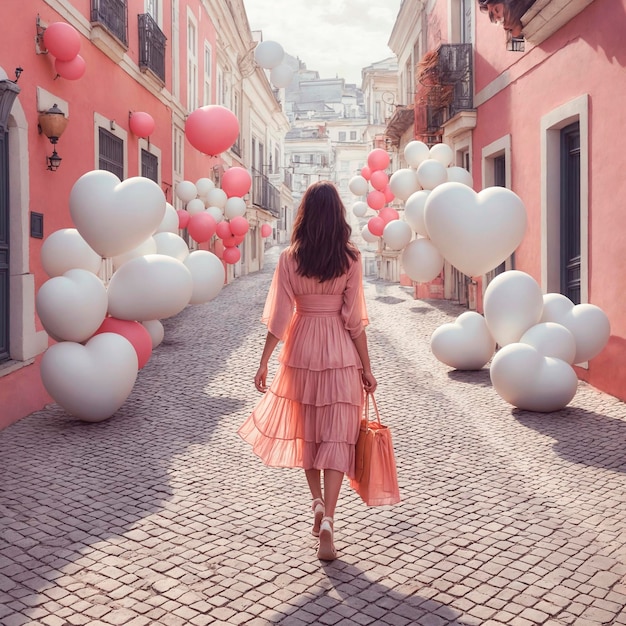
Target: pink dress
point(310, 415)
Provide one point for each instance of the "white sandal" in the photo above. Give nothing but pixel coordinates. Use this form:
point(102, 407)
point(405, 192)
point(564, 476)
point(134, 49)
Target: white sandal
point(326, 550)
point(318, 511)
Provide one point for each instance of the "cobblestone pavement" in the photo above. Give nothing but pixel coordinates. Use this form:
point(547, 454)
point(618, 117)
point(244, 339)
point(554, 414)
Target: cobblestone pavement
point(162, 515)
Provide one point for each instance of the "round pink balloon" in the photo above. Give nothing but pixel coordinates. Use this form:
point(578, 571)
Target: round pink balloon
point(223, 230)
point(231, 255)
point(378, 159)
point(62, 41)
point(366, 172)
point(236, 182)
point(266, 230)
point(376, 226)
point(212, 129)
point(376, 199)
point(239, 225)
point(388, 194)
point(71, 70)
point(379, 180)
point(183, 218)
point(231, 241)
point(141, 124)
point(135, 332)
point(388, 214)
point(201, 227)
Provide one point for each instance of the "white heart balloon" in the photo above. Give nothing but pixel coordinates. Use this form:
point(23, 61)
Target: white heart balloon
point(203, 186)
point(550, 339)
point(72, 307)
point(587, 322)
point(465, 344)
point(216, 197)
point(171, 245)
point(475, 232)
point(528, 380)
point(65, 250)
point(512, 304)
point(421, 260)
point(112, 216)
point(150, 287)
point(208, 275)
point(90, 382)
point(145, 247)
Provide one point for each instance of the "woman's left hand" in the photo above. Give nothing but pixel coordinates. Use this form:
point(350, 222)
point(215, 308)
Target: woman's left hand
point(260, 378)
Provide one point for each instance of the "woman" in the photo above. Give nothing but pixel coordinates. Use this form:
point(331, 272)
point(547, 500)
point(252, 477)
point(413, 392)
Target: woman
point(508, 12)
point(309, 417)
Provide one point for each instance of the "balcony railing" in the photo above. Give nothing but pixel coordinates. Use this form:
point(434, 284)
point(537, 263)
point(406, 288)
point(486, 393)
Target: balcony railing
point(455, 69)
point(264, 194)
point(112, 15)
point(151, 46)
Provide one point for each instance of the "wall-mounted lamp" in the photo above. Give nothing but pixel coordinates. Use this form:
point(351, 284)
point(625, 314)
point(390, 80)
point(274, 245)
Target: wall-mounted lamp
point(52, 123)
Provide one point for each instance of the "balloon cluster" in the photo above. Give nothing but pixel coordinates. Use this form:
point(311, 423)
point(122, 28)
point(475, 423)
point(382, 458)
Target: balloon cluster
point(212, 210)
point(63, 42)
point(270, 56)
point(106, 333)
point(541, 337)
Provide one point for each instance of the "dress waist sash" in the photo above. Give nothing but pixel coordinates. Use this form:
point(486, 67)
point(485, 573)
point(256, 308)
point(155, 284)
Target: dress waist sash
point(315, 305)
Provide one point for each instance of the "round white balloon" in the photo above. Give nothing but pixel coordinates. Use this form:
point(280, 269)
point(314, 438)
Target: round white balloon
point(169, 223)
point(65, 250)
point(203, 186)
point(550, 339)
point(146, 247)
point(421, 260)
point(195, 206)
point(171, 245)
point(465, 344)
point(458, 174)
point(216, 197)
point(528, 380)
point(72, 307)
point(415, 152)
point(150, 287)
point(358, 186)
point(208, 276)
point(281, 75)
point(397, 234)
point(366, 235)
point(359, 208)
point(93, 381)
point(269, 54)
point(475, 232)
point(588, 324)
point(431, 173)
point(216, 213)
point(443, 153)
point(156, 330)
point(403, 183)
point(112, 216)
point(512, 304)
point(186, 191)
point(234, 207)
point(414, 211)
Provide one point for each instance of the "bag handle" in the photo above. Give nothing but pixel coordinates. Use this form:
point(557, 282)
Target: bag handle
point(369, 395)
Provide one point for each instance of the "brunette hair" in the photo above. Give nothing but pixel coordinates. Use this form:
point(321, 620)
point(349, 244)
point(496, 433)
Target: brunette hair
point(513, 11)
point(320, 240)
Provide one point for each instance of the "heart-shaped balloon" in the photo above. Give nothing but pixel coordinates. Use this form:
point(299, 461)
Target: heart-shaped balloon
point(112, 216)
point(92, 381)
point(151, 287)
point(475, 232)
point(528, 380)
point(587, 322)
point(464, 344)
point(71, 307)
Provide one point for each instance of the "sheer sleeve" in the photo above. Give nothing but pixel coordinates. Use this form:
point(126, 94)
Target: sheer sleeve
point(354, 311)
point(279, 304)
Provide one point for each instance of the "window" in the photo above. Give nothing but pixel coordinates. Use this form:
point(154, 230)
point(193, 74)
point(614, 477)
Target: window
point(353, 135)
point(149, 166)
point(570, 212)
point(220, 86)
point(208, 61)
point(111, 153)
point(179, 143)
point(113, 15)
point(151, 46)
point(342, 136)
point(192, 64)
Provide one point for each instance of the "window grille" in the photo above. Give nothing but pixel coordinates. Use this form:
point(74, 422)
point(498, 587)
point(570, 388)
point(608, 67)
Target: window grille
point(113, 15)
point(151, 46)
point(111, 153)
point(149, 166)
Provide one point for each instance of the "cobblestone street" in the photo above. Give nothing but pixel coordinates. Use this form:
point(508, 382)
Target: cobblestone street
point(162, 515)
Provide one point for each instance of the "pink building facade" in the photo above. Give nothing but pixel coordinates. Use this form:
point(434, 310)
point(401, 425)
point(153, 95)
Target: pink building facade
point(161, 57)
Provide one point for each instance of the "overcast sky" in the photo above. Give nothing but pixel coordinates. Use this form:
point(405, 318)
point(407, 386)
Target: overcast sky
point(334, 37)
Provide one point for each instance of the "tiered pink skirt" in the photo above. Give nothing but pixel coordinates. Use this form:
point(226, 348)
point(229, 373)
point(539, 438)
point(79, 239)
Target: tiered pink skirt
point(310, 415)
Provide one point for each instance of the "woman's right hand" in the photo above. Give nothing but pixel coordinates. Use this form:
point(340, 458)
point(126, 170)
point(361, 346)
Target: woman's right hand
point(260, 379)
point(369, 382)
